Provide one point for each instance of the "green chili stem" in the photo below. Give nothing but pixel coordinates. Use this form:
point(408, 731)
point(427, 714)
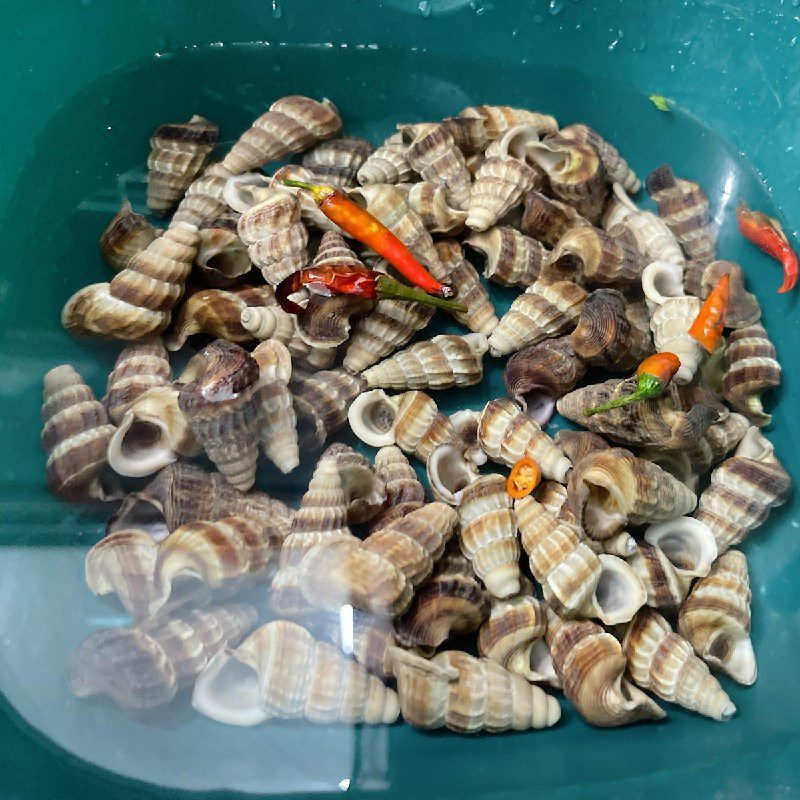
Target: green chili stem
point(394, 290)
point(647, 386)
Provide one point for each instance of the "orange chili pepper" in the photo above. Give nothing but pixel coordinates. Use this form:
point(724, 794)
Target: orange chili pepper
point(710, 321)
point(767, 233)
point(524, 478)
point(355, 280)
point(362, 225)
point(653, 374)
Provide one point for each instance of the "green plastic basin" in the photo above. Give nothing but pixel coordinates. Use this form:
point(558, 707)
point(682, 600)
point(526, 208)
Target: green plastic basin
point(85, 84)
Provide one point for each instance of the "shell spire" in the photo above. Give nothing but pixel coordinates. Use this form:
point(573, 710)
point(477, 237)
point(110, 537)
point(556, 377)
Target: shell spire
point(511, 259)
point(139, 367)
point(127, 234)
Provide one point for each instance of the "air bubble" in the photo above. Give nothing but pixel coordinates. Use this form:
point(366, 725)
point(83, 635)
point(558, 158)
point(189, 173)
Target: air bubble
point(425, 8)
point(277, 10)
point(555, 7)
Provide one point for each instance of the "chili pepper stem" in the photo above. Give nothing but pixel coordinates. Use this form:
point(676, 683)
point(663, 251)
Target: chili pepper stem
point(319, 191)
point(391, 289)
point(648, 386)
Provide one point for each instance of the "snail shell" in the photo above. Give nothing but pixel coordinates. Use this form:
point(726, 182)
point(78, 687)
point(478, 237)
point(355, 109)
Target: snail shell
point(500, 183)
point(543, 311)
point(511, 258)
point(178, 153)
point(438, 363)
point(468, 694)
point(716, 618)
point(292, 124)
point(203, 200)
point(506, 435)
point(75, 436)
point(429, 200)
point(388, 164)
point(449, 472)
point(222, 257)
point(751, 368)
point(127, 234)
point(364, 489)
point(498, 119)
point(222, 406)
point(336, 162)
point(547, 219)
point(663, 662)
point(683, 205)
point(310, 213)
point(404, 492)
point(281, 672)
point(138, 301)
point(616, 167)
point(139, 367)
point(469, 133)
point(145, 666)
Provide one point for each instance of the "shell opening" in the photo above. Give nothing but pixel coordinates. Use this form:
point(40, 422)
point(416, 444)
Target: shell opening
point(619, 593)
point(449, 473)
point(662, 280)
point(138, 447)
point(241, 191)
point(602, 513)
point(754, 445)
point(687, 543)
point(540, 663)
point(372, 417)
point(230, 262)
point(227, 691)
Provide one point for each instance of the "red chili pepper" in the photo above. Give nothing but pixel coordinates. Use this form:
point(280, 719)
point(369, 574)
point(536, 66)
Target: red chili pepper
point(353, 280)
point(524, 478)
point(654, 374)
point(710, 320)
point(767, 233)
point(362, 225)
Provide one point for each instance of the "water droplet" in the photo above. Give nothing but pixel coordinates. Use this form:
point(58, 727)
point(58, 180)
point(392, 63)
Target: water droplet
point(109, 127)
point(514, 33)
point(480, 7)
point(538, 19)
point(578, 26)
point(425, 8)
point(793, 41)
point(555, 7)
point(277, 10)
point(789, 148)
point(672, 68)
point(687, 43)
point(158, 55)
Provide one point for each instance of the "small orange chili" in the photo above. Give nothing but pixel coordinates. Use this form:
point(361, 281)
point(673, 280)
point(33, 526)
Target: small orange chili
point(710, 321)
point(524, 478)
point(355, 280)
point(653, 376)
point(767, 233)
point(362, 225)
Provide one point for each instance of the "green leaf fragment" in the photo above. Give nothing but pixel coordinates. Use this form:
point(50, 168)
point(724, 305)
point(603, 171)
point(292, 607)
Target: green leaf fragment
point(660, 102)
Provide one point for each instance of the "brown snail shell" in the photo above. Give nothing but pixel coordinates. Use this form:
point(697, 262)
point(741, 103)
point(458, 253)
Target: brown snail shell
point(127, 234)
point(547, 219)
point(616, 167)
point(537, 376)
point(145, 666)
point(337, 161)
point(222, 405)
point(364, 489)
point(281, 672)
point(683, 205)
point(75, 436)
point(387, 164)
point(498, 119)
point(469, 133)
point(500, 184)
point(203, 200)
point(751, 368)
point(511, 258)
point(138, 301)
point(222, 257)
point(178, 153)
point(404, 492)
point(292, 124)
point(577, 444)
point(605, 337)
point(701, 278)
point(139, 367)
point(429, 200)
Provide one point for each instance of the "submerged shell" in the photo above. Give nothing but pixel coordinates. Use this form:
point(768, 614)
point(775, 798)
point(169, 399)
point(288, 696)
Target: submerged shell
point(544, 310)
point(743, 308)
point(598, 257)
point(337, 161)
point(611, 488)
point(438, 363)
point(605, 337)
point(469, 291)
point(511, 258)
point(222, 257)
point(750, 369)
point(547, 219)
point(275, 235)
point(433, 153)
point(367, 638)
point(500, 183)
point(616, 166)
point(683, 205)
point(364, 490)
point(488, 534)
point(322, 400)
point(716, 618)
point(449, 603)
point(153, 433)
point(217, 312)
point(387, 164)
point(178, 153)
point(138, 301)
point(379, 574)
point(743, 490)
point(467, 695)
point(145, 666)
point(222, 405)
point(660, 421)
point(498, 119)
point(506, 434)
point(291, 125)
point(591, 666)
point(75, 436)
point(429, 200)
point(404, 492)
point(670, 323)
point(127, 234)
point(139, 367)
point(663, 662)
point(203, 200)
point(281, 672)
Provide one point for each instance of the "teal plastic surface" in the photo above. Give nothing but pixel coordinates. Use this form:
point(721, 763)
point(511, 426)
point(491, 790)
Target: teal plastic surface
point(85, 84)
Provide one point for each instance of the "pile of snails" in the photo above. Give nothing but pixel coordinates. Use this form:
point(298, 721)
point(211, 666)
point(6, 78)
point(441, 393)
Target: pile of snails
point(617, 581)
